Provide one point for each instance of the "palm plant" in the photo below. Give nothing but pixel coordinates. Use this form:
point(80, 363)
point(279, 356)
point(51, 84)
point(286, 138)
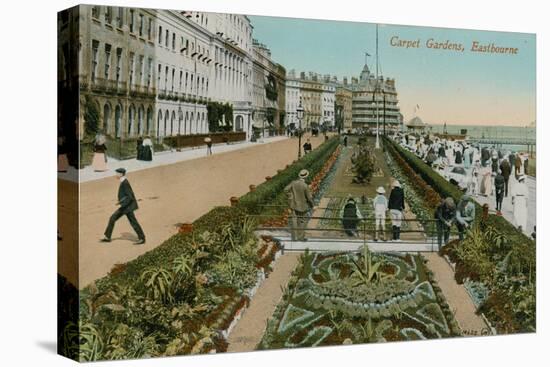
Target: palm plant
point(367, 272)
point(82, 341)
point(158, 282)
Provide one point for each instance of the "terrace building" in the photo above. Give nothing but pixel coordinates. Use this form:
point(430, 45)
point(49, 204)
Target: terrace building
point(152, 72)
point(344, 97)
point(269, 80)
point(116, 52)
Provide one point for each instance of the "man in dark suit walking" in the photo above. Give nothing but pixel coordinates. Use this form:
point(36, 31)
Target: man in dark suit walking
point(128, 204)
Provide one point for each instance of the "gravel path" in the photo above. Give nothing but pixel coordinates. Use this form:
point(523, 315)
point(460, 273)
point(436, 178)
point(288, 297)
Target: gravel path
point(457, 297)
point(249, 330)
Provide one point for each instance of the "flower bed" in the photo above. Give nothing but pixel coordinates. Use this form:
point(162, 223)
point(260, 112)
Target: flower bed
point(494, 253)
point(168, 301)
point(318, 184)
point(329, 302)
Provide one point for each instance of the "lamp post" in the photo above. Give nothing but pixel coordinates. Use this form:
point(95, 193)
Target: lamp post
point(300, 115)
point(384, 110)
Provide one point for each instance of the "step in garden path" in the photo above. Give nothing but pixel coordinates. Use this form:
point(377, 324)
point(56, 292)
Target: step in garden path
point(249, 330)
point(457, 297)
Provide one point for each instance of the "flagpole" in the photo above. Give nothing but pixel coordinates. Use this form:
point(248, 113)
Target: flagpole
point(376, 94)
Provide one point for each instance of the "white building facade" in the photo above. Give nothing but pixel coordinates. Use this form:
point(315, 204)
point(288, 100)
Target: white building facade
point(293, 90)
point(328, 98)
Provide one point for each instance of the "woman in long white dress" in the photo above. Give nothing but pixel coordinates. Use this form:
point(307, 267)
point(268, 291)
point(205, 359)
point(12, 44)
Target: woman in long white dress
point(486, 181)
point(520, 198)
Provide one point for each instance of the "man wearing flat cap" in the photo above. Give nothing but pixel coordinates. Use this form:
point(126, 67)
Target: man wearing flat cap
point(300, 201)
point(128, 204)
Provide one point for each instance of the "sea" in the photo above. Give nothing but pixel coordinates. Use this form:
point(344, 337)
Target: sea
point(491, 132)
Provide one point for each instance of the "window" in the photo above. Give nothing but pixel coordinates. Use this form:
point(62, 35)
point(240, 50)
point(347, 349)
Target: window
point(166, 38)
point(132, 68)
point(160, 35)
point(166, 78)
point(158, 76)
point(141, 70)
point(118, 121)
point(150, 71)
point(181, 77)
point(118, 63)
point(150, 29)
point(173, 41)
point(120, 18)
point(141, 25)
point(131, 119)
point(95, 12)
point(106, 118)
point(131, 21)
point(108, 14)
point(173, 74)
point(107, 60)
point(95, 47)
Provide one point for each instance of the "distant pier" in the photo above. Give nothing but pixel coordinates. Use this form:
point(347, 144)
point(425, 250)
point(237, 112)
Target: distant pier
point(530, 143)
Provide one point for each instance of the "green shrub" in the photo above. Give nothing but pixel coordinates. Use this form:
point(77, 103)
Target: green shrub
point(253, 201)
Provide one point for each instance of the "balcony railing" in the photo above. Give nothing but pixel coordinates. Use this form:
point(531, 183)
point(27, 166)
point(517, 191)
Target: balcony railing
point(83, 82)
point(137, 90)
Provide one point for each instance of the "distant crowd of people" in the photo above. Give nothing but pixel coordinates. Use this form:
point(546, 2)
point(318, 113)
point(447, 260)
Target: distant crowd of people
point(487, 171)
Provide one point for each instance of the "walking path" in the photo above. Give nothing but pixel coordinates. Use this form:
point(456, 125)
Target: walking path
point(167, 195)
point(248, 332)
point(508, 208)
point(342, 186)
point(160, 159)
point(457, 297)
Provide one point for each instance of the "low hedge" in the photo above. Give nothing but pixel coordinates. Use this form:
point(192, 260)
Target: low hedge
point(252, 202)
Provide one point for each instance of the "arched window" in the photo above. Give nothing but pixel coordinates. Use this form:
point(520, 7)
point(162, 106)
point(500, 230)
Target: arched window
point(140, 120)
point(239, 123)
point(191, 124)
point(158, 123)
point(149, 125)
point(180, 120)
point(172, 122)
point(118, 121)
point(166, 117)
point(131, 119)
point(106, 118)
point(185, 122)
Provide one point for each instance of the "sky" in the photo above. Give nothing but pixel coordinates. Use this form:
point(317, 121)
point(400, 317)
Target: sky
point(463, 88)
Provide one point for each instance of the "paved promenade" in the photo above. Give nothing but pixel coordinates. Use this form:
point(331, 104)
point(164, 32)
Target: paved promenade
point(168, 194)
point(508, 208)
point(162, 159)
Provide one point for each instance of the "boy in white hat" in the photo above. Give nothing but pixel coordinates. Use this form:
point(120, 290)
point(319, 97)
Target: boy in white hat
point(380, 204)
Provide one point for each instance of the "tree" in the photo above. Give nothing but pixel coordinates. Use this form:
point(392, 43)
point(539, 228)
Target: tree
point(364, 164)
point(91, 117)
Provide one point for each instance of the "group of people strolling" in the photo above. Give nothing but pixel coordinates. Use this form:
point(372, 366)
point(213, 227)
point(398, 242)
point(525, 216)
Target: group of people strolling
point(489, 172)
point(144, 151)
